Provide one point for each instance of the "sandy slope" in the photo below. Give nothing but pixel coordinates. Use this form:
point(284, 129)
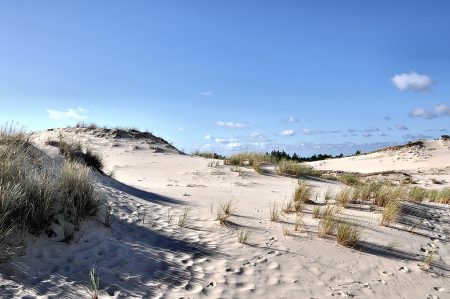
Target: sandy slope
point(147, 255)
point(433, 154)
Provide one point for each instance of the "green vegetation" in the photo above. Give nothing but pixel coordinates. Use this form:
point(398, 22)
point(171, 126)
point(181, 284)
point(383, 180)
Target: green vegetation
point(32, 196)
point(349, 179)
point(344, 197)
point(288, 167)
point(348, 235)
point(302, 193)
point(208, 155)
point(390, 212)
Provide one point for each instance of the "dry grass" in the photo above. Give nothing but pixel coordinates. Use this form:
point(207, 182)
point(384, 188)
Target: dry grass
point(243, 236)
point(390, 212)
point(328, 222)
point(348, 234)
point(288, 207)
point(386, 193)
point(79, 196)
point(183, 218)
point(302, 193)
point(299, 223)
point(316, 212)
point(418, 194)
point(328, 196)
point(344, 197)
point(274, 212)
point(288, 167)
point(349, 179)
point(286, 230)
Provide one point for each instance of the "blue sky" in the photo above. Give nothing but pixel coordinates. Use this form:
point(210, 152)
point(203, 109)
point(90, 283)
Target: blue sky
point(305, 76)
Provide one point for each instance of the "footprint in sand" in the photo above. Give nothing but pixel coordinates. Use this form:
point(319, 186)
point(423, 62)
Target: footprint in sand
point(388, 273)
point(404, 269)
point(439, 289)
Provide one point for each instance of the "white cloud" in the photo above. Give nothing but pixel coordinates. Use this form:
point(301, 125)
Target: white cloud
point(78, 113)
point(367, 134)
point(412, 81)
point(287, 133)
point(401, 127)
point(292, 119)
point(440, 110)
point(206, 93)
point(180, 129)
point(233, 146)
point(208, 136)
point(231, 125)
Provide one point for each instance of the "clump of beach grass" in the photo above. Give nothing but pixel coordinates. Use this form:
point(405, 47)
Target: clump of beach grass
point(243, 236)
point(328, 221)
point(274, 212)
point(390, 212)
point(289, 167)
point(349, 179)
point(348, 234)
point(299, 223)
point(302, 193)
point(94, 283)
point(183, 218)
point(316, 212)
point(418, 194)
point(344, 197)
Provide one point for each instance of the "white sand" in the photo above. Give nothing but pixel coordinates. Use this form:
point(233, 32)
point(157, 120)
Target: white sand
point(155, 258)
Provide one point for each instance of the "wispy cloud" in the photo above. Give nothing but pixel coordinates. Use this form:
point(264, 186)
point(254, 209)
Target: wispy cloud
point(412, 81)
point(292, 119)
point(71, 113)
point(441, 110)
point(387, 118)
point(180, 129)
point(414, 137)
point(231, 125)
point(206, 93)
point(287, 133)
point(401, 127)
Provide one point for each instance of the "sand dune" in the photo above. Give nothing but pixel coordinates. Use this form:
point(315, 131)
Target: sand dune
point(146, 254)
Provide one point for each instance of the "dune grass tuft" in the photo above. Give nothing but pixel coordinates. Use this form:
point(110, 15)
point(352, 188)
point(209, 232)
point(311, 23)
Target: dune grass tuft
point(316, 212)
point(274, 212)
point(344, 197)
point(302, 193)
point(289, 167)
point(348, 234)
point(390, 212)
point(243, 236)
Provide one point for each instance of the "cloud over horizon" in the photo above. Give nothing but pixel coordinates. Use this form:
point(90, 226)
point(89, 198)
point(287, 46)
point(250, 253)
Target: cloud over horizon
point(71, 113)
point(231, 125)
point(440, 110)
point(412, 81)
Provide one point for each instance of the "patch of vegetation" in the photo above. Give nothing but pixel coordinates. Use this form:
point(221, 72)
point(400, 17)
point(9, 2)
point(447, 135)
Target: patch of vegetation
point(274, 212)
point(445, 137)
point(302, 193)
point(390, 212)
point(349, 179)
point(344, 197)
point(243, 236)
point(348, 234)
point(289, 167)
point(208, 155)
point(277, 156)
point(32, 196)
